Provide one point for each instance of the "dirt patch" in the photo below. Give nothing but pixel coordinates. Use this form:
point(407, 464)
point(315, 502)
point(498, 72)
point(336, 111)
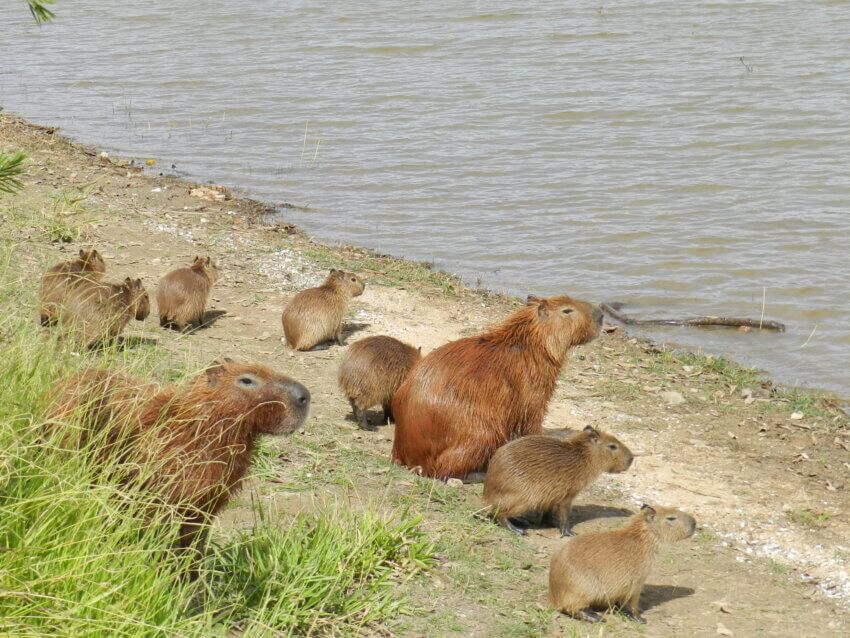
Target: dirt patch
point(766, 472)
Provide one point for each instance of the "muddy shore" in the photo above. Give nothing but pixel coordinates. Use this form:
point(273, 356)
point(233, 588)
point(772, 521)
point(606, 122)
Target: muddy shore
point(765, 470)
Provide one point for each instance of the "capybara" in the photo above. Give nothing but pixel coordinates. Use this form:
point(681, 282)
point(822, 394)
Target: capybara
point(599, 570)
point(181, 296)
point(314, 315)
point(95, 313)
point(63, 277)
point(371, 371)
point(539, 474)
point(468, 397)
point(195, 439)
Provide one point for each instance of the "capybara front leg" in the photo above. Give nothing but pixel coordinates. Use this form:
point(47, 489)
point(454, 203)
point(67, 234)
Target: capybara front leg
point(388, 413)
point(338, 336)
point(631, 609)
point(562, 513)
point(588, 615)
point(505, 521)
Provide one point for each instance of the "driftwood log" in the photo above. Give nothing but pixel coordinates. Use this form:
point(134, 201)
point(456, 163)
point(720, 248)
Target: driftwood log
point(613, 309)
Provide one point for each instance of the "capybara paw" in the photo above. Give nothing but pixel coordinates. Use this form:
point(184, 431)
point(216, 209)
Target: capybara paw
point(588, 615)
point(567, 532)
point(516, 529)
point(628, 613)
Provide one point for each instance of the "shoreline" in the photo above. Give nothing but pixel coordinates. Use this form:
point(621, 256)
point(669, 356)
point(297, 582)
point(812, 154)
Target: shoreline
point(257, 212)
point(759, 466)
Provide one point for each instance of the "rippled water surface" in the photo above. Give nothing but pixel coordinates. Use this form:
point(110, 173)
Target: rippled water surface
point(685, 157)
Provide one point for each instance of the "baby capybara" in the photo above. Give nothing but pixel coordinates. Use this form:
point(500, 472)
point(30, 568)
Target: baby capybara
point(468, 397)
point(64, 277)
point(600, 570)
point(371, 371)
point(181, 296)
point(196, 440)
point(538, 474)
point(315, 315)
point(95, 313)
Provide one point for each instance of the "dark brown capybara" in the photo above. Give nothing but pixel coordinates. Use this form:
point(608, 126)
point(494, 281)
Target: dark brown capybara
point(181, 295)
point(314, 315)
point(599, 570)
point(372, 370)
point(196, 439)
point(64, 277)
point(469, 397)
point(539, 474)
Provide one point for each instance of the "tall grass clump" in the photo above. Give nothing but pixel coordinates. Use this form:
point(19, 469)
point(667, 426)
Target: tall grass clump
point(86, 551)
point(328, 574)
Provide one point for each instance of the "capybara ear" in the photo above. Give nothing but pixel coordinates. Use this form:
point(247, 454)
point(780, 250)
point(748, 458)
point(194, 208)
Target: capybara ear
point(648, 512)
point(82, 253)
point(128, 281)
point(419, 349)
point(93, 253)
point(208, 261)
point(137, 284)
point(216, 369)
point(542, 308)
point(532, 299)
point(592, 433)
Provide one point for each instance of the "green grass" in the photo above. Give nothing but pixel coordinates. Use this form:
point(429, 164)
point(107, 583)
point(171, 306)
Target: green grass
point(808, 518)
point(82, 555)
point(328, 574)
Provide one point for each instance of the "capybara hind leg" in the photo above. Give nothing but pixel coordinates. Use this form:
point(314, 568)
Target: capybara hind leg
point(562, 514)
point(457, 462)
point(338, 336)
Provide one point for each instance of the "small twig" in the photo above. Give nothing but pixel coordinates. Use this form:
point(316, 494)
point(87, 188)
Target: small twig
point(812, 334)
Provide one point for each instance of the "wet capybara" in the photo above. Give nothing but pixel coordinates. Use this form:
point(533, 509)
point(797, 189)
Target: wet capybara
point(95, 312)
point(314, 315)
point(181, 295)
point(468, 397)
point(539, 474)
point(63, 277)
point(196, 440)
point(372, 370)
point(599, 570)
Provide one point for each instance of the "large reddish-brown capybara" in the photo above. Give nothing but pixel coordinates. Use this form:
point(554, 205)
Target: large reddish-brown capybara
point(468, 397)
point(196, 440)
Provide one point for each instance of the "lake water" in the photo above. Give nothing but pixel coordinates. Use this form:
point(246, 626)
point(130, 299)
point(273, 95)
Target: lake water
point(684, 157)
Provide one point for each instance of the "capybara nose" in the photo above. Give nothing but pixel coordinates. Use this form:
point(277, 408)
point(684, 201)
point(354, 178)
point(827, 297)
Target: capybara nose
point(597, 315)
point(299, 394)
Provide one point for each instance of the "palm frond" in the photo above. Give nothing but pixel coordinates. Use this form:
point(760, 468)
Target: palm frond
point(10, 167)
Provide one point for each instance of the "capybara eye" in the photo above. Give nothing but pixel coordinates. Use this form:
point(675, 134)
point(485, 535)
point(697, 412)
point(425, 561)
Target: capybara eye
point(671, 518)
point(246, 382)
point(567, 311)
point(353, 279)
point(612, 447)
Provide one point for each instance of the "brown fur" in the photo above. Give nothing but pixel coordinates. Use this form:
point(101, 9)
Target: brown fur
point(96, 312)
point(181, 296)
point(603, 569)
point(64, 277)
point(197, 439)
point(470, 396)
point(539, 474)
point(315, 315)
point(372, 370)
